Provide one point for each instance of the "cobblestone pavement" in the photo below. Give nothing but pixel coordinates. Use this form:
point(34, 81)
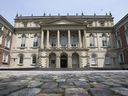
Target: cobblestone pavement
point(58, 83)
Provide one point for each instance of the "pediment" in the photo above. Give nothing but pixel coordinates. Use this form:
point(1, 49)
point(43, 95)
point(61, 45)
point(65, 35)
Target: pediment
point(64, 22)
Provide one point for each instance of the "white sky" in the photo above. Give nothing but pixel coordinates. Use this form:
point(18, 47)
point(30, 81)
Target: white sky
point(9, 8)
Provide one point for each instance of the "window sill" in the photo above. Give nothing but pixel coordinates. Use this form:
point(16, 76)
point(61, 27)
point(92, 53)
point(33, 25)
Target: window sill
point(92, 47)
point(6, 63)
point(107, 64)
point(105, 47)
point(35, 47)
point(33, 64)
point(21, 47)
point(93, 64)
point(7, 48)
point(20, 64)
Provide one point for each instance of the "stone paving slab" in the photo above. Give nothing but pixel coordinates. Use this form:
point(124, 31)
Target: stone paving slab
point(121, 91)
point(76, 92)
point(60, 83)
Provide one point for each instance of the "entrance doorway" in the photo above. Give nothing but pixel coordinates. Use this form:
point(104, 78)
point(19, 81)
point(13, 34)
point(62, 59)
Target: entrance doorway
point(63, 60)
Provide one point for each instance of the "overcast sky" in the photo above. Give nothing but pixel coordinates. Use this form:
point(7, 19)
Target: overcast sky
point(9, 8)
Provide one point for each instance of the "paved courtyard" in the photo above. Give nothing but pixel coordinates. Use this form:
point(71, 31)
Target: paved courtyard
point(63, 83)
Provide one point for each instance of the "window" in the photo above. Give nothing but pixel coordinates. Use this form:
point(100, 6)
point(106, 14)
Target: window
point(74, 40)
point(107, 59)
point(104, 40)
point(35, 43)
point(102, 23)
point(5, 57)
point(34, 59)
point(0, 37)
point(118, 43)
point(121, 59)
point(92, 40)
point(126, 35)
point(7, 42)
point(126, 26)
point(53, 40)
point(23, 40)
point(21, 58)
point(63, 40)
point(93, 59)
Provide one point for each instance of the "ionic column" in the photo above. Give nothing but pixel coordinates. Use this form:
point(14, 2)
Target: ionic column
point(79, 36)
point(84, 43)
point(42, 39)
point(58, 38)
point(58, 62)
point(47, 44)
point(98, 40)
point(69, 39)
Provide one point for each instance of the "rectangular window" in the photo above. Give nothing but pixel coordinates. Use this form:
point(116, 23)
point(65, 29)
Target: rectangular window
point(35, 44)
point(5, 58)
point(126, 36)
point(107, 60)
point(93, 60)
point(118, 44)
point(121, 58)
point(23, 40)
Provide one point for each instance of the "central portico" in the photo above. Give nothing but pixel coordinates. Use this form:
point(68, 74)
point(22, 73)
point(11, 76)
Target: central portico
point(63, 41)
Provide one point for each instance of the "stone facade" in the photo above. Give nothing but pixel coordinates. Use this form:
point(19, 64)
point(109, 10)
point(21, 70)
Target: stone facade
point(6, 33)
point(63, 42)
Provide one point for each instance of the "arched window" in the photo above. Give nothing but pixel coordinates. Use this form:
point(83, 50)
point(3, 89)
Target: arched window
point(35, 42)
point(92, 40)
point(23, 40)
point(34, 59)
point(75, 60)
point(21, 58)
point(104, 40)
point(93, 59)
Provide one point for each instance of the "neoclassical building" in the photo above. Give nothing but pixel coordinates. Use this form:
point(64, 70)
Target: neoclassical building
point(63, 42)
point(6, 33)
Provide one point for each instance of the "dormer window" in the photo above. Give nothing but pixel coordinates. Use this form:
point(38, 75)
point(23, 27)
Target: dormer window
point(102, 23)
